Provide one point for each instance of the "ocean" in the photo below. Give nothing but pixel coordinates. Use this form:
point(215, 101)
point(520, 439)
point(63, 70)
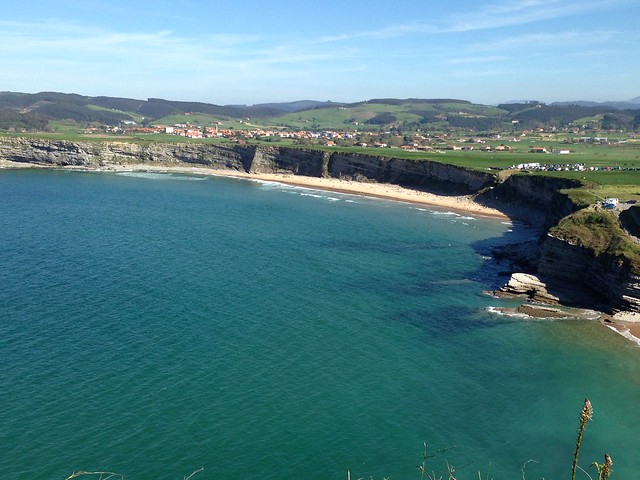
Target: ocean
point(153, 324)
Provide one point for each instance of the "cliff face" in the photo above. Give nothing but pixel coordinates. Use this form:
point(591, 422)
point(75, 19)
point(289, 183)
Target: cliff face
point(536, 196)
point(61, 153)
point(603, 278)
point(630, 220)
point(423, 174)
point(260, 159)
point(311, 163)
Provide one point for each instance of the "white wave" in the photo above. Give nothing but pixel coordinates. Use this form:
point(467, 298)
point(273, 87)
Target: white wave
point(451, 214)
point(269, 184)
point(501, 312)
point(161, 176)
point(626, 334)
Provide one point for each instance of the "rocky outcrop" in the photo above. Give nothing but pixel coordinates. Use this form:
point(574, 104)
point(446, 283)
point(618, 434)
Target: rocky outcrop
point(569, 274)
point(550, 290)
point(606, 276)
point(574, 275)
point(529, 286)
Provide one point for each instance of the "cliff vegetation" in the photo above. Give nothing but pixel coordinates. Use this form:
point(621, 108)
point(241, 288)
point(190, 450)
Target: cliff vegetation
point(599, 231)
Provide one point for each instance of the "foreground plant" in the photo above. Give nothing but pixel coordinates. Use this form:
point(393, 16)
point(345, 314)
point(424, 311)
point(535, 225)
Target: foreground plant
point(585, 415)
point(604, 470)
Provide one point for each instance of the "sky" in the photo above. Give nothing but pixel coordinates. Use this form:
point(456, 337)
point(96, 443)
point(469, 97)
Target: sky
point(248, 52)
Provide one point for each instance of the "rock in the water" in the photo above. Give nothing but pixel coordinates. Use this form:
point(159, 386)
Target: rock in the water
point(528, 285)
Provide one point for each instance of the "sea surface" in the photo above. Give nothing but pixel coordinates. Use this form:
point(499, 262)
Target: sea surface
point(153, 324)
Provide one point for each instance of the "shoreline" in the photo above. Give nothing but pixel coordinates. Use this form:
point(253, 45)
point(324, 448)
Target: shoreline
point(387, 191)
point(458, 203)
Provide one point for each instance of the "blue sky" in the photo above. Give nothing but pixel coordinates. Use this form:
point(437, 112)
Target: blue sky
point(244, 52)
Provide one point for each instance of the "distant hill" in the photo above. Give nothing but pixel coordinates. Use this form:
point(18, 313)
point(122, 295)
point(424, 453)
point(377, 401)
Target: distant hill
point(33, 111)
point(634, 103)
point(113, 110)
point(297, 106)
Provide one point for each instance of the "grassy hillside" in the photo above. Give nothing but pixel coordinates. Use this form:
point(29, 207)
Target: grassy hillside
point(411, 114)
point(371, 115)
point(599, 231)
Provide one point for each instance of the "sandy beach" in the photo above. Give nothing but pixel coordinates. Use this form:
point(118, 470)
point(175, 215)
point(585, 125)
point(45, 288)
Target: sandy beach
point(459, 203)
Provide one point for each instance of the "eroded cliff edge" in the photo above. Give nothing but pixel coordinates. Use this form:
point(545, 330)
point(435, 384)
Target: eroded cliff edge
point(570, 273)
point(260, 159)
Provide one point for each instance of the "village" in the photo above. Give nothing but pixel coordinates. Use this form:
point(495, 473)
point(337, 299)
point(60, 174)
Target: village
point(416, 141)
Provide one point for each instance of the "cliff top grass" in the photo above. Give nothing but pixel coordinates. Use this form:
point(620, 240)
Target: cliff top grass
point(601, 232)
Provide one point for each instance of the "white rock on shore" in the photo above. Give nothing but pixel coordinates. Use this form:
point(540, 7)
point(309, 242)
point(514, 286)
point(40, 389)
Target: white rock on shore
point(529, 285)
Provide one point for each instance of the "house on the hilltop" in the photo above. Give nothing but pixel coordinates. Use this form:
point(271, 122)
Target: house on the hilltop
point(538, 150)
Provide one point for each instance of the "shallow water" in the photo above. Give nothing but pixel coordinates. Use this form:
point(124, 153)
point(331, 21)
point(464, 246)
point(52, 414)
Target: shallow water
point(151, 324)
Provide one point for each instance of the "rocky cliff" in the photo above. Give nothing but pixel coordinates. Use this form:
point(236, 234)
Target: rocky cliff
point(535, 196)
point(259, 159)
point(571, 274)
point(63, 153)
point(424, 174)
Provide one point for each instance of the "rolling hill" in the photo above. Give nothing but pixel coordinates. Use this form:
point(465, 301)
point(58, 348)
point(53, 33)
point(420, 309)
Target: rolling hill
point(24, 111)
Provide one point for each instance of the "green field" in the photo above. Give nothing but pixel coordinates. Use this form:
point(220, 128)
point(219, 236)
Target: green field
point(358, 118)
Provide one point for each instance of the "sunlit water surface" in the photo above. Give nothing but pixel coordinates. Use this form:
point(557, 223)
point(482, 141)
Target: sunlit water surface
point(152, 324)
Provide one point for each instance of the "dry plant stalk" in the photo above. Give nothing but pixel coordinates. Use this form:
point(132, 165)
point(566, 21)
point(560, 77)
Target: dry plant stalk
point(585, 415)
point(604, 470)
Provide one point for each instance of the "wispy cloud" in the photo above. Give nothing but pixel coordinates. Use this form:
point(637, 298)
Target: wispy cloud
point(537, 41)
point(66, 39)
point(494, 15)
point(476, 59)
point(77, 55)
point(391, 31)
point(503, 14)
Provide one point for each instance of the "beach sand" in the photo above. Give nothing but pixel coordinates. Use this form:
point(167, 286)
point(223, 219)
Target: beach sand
point(458, 203)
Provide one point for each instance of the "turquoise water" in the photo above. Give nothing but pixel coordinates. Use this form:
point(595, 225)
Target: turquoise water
point(153, 324)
